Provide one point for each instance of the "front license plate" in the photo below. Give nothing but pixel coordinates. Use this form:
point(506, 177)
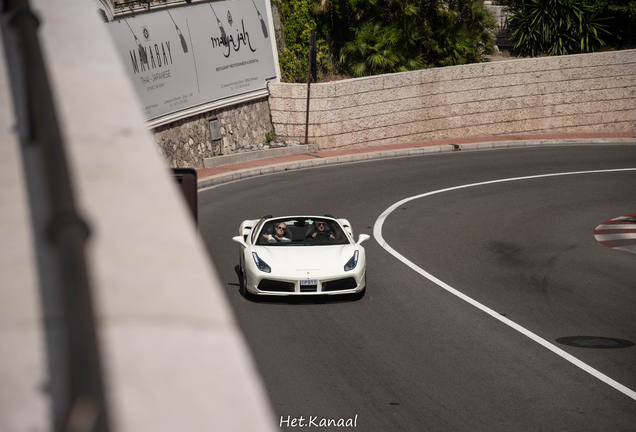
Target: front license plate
point(309, 282)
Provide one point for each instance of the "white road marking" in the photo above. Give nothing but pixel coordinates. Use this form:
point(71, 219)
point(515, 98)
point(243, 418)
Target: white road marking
point(616, 226)
point(377, 233)
point(607, 237)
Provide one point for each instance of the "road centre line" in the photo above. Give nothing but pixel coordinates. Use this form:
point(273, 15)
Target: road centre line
point(377, 233)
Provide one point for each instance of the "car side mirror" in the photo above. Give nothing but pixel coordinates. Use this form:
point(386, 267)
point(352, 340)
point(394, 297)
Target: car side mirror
point(239, 240)
point(363, 238)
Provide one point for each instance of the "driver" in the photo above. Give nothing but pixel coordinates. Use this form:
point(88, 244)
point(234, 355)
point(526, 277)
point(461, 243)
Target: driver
point(321, 230)
point(280, 230)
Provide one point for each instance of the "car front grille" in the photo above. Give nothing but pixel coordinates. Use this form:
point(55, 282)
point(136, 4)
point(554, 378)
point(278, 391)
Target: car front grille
point(275, 286)
point(339, 285)
point(308, 288)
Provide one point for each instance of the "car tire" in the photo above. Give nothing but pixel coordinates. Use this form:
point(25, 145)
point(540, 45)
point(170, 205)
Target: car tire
point(244, 292)
point(243, 279)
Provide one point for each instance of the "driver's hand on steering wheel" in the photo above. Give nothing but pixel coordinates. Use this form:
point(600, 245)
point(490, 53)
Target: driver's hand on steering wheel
point(321, 234)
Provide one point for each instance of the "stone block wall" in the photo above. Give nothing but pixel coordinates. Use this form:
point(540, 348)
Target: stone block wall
point(576, 93)
point(185, 143)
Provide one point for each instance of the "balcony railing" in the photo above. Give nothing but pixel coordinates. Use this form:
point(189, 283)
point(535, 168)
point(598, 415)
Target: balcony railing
point(139, 6)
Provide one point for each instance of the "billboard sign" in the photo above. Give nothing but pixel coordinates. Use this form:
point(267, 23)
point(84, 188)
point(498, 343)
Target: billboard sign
point(180, 58)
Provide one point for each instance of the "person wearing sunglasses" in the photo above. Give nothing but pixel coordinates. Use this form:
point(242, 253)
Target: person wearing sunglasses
point(279, 234)
point(321, 230)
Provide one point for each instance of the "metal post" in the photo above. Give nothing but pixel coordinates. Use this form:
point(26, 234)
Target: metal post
point(312, 48)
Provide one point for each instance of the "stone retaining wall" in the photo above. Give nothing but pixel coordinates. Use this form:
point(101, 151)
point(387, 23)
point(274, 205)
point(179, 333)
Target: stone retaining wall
point(577, 93)
point(185, 143)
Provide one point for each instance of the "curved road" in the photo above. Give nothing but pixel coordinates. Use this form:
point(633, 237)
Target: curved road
point(412, 356)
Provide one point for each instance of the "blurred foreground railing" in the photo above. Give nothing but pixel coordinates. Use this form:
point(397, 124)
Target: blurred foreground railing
point(84, 407)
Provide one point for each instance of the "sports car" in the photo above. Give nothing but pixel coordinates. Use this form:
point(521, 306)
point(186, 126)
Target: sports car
point(301, 255)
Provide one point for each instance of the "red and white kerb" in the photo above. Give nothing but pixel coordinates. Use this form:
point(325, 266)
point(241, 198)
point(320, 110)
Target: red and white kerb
point(619, 233)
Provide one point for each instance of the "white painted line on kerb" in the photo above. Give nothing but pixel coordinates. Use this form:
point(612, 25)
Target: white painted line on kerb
point(608, 237)
point(377, 233)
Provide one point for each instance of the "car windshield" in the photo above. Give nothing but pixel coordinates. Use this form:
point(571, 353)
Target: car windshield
point(301, 232)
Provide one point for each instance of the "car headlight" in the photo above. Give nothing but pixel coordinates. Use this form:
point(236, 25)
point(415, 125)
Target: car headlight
point(262, 266)
point(353, 262)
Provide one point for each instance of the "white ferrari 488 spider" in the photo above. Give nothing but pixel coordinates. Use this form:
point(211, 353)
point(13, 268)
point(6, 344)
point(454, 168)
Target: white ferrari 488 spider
point(301, 255)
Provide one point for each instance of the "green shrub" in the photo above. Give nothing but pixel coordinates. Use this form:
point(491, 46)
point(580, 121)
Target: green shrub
point(401, 35)
point(377, 49)
point(621, 18)
point(461, 34)
point(293, 55)
point(557, 27)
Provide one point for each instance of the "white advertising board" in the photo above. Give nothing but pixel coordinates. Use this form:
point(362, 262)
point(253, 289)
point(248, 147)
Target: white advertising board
point(184, 57)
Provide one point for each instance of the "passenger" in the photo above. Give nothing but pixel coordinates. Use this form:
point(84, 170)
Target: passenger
point(321, 230)
point(279, 234)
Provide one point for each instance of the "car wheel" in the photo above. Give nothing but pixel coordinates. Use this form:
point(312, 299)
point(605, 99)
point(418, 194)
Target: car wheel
point(248, 295)
point(243, 278)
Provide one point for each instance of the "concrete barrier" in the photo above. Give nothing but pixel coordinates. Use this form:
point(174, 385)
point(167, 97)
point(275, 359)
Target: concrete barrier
point(172, 354)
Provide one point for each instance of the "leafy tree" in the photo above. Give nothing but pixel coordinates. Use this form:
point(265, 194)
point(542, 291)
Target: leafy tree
point(557, 27)
point(299, 19)
point(401, 35)
point(385, 38)
point(375, 49)
point(369, 37)
point(461, 34)
point(621, 18)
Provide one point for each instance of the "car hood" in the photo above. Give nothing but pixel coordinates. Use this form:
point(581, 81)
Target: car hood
point(307, 257)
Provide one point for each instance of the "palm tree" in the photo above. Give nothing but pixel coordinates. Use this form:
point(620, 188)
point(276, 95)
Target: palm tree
point(556, 27)
point(462, 35)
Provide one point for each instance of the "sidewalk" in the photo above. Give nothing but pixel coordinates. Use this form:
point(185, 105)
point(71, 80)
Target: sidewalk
point(222, 174)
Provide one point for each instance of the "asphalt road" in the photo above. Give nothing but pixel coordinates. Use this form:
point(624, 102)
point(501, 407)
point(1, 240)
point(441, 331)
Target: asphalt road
point(412, 356)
